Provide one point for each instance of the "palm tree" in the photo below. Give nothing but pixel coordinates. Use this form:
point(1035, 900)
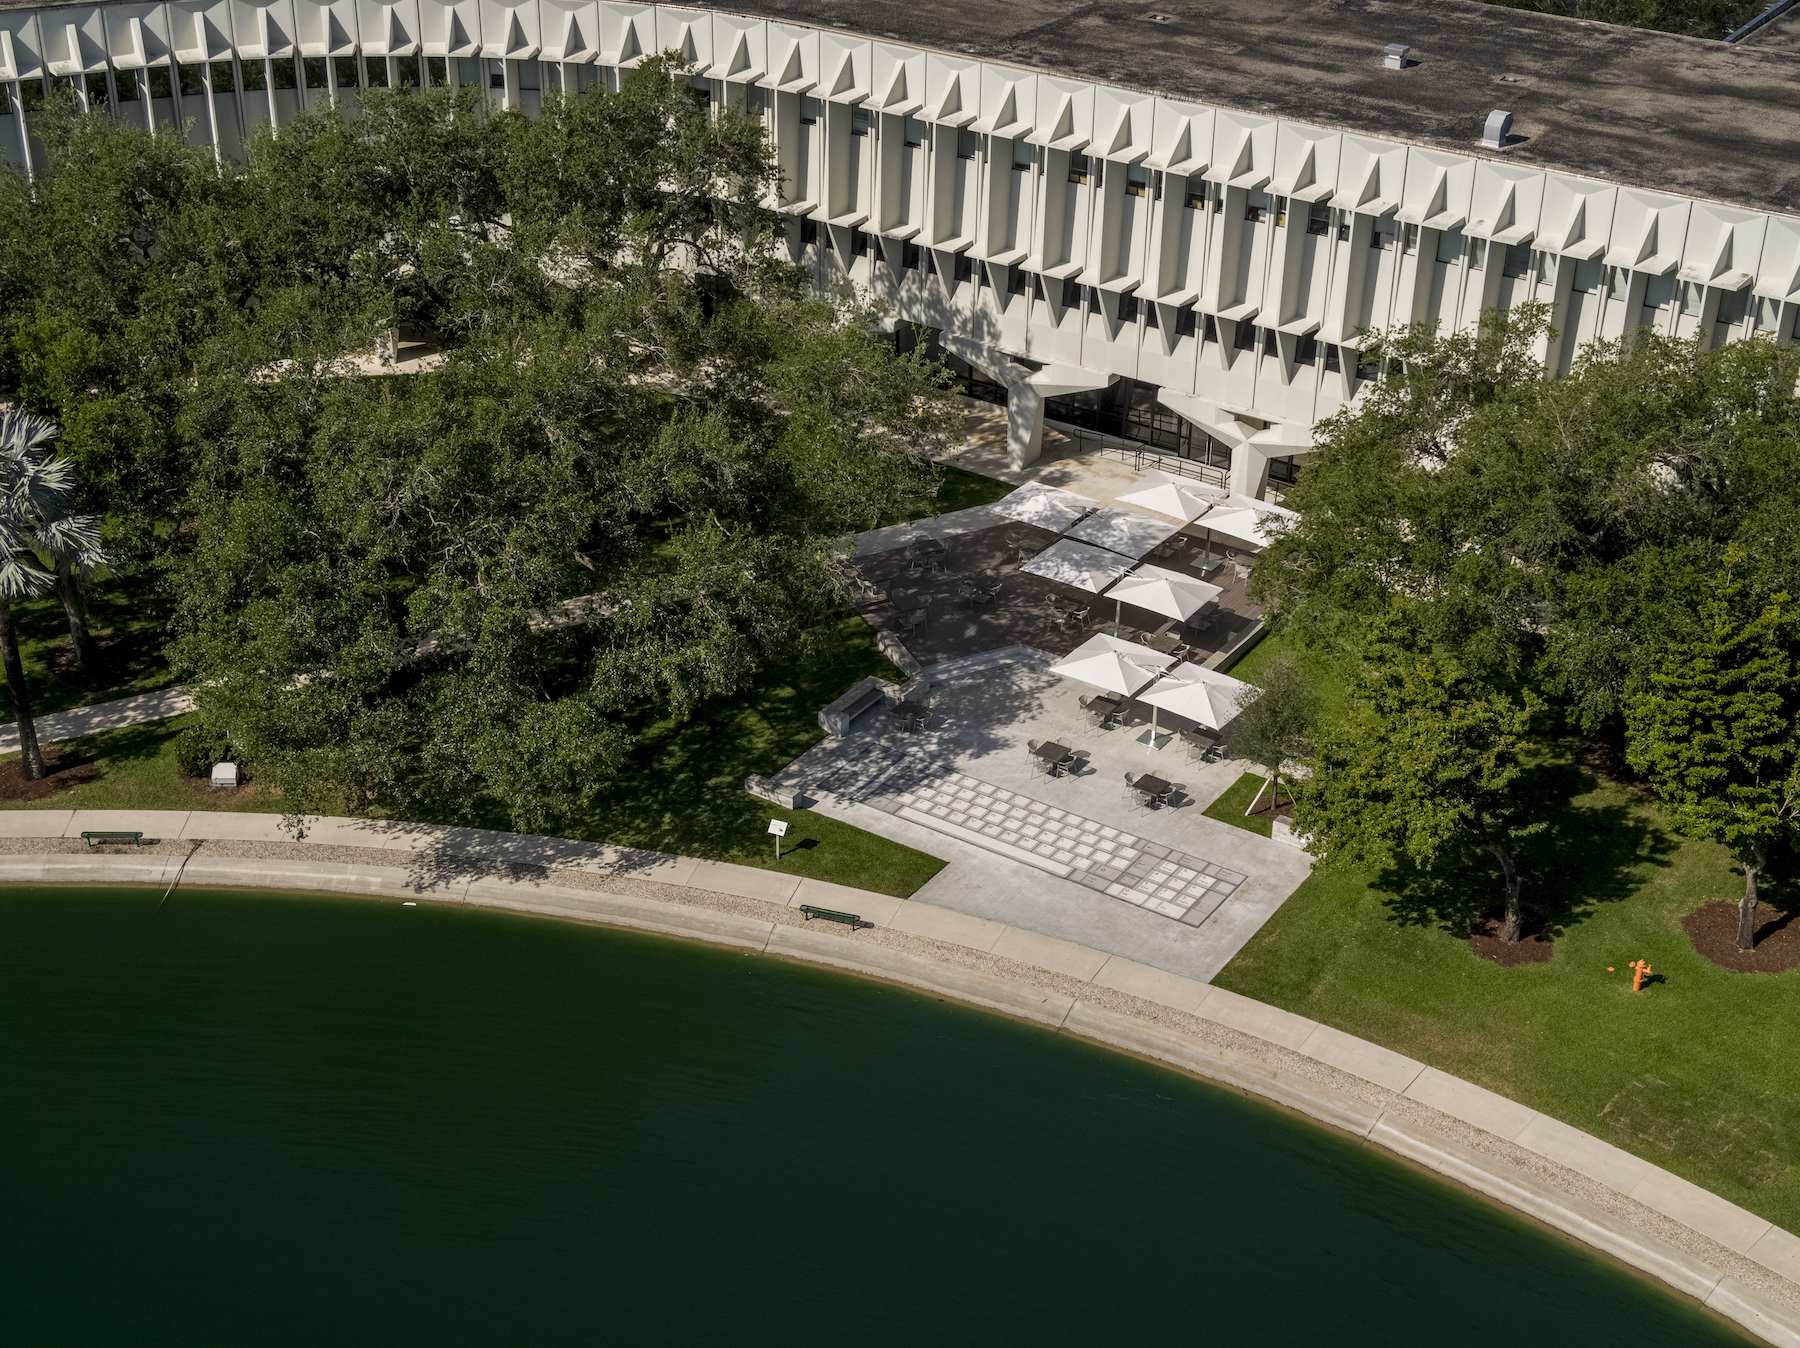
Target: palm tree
point(36, 521)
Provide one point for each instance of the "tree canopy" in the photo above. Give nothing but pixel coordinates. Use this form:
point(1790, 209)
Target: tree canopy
point(619, 486)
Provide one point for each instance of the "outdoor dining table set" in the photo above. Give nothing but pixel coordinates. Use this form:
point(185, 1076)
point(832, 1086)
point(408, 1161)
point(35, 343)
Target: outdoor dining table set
point(1053, 758)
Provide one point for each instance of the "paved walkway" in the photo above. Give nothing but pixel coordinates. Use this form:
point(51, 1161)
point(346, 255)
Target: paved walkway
point(1741, 1265)
point(79, 721)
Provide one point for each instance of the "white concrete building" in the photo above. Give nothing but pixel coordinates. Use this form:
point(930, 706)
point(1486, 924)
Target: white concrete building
point(1184, 275)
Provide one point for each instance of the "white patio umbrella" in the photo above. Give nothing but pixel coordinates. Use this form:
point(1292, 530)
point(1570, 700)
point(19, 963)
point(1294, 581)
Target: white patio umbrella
point(1045, 506)
point(1177, 497)
point(1160, 590)
point(1246, 520)
point(1202, 695)
point(1077, 564)
point(1117, 666)
point(1125, 532)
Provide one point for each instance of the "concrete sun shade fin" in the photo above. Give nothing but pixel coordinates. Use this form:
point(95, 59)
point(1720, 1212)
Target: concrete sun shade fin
point(1126, 532)
point(1112, 664)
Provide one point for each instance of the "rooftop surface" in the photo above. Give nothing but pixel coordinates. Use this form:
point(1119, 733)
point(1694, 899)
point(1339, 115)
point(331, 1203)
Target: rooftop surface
point(1676, 114)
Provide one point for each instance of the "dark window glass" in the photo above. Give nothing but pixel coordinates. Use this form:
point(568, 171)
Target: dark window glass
point(1271, 343)
point(160, 83)
point(193, 81)
point(1734, 306)
point(809, 110)
point(256, 77)
point(437, 70)
point(1280, 212)
point(1071, 296)
point(1306, 350)
point(315, 72)
point(344, 68)
point(1332, 364)
point(1283, 472)
point(375, 72)
point(1150, 317)
point(756, 100)
point(1518, 260)
point(1016, 280)
point(809, 232)
point(1078, 168)
point(1037, 288)
point(286, 76)
point(912, 257)
point(1366, 369)
point(1196, 198)
point(963, 269)
point(1318, 219)
point(126, 82)
point(224, 79)
point(96, 89)
point(1024, 155)
point(5, 101)
point(1211, 331)
point(408, 67)
point(1128, 309)
point(496, 74)
point(859, 244)
point(860, 121)
point(968, 144)
point(912, 132)
point(1254, 214)
point(1137, 180)
point(531, 75)
point(1186, 324)
point(1127, 409)
point(1244, 337)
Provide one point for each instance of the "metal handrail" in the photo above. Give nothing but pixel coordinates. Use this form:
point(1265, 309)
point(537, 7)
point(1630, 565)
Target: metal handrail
point(1774, 11)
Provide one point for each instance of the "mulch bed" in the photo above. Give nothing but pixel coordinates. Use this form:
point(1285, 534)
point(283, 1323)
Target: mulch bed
point(1534, 946)
point(63, 770)
point(115, 654)
point(1712, 928)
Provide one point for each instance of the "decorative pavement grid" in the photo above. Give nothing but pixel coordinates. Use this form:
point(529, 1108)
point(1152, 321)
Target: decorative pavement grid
point(1109, 860)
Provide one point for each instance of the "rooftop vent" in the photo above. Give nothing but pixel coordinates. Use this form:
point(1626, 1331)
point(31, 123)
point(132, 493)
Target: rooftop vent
point(1160, 18)
point(1399, 56)
point(1498, 130)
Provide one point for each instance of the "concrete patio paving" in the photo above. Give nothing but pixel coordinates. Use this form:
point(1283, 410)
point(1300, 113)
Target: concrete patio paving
point(985, 710)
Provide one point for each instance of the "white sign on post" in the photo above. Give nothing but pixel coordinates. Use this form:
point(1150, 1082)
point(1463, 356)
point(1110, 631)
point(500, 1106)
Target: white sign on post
point(779, 828)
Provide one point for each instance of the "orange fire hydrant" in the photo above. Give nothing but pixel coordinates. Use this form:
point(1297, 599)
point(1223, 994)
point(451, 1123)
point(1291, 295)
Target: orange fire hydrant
point(1639, 971)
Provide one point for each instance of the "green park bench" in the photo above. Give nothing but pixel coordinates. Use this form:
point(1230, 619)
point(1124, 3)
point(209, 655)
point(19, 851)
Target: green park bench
point(100, 836)
point(830, 915)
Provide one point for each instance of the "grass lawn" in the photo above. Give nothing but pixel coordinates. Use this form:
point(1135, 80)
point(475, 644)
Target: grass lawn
point(1229, 808)
point(1695, 1074)
point(683, 791)
point(133, 612)
point(961, 489)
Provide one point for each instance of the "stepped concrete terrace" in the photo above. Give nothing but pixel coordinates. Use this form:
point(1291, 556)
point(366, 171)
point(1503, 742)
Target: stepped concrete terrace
point(1067, 856)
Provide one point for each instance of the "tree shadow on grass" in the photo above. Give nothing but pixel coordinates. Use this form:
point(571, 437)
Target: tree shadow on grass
point(1589, 854)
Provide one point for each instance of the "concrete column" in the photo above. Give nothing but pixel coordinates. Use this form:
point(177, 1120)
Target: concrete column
point(1024, 425)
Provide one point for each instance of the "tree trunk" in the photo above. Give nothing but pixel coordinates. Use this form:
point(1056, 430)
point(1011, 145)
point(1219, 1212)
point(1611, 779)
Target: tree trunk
point(81, 644)
point(31, 758)
point(1753, 865)
point(1514, 925)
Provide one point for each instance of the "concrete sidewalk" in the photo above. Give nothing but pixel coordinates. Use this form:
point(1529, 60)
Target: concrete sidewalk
point(79, 721)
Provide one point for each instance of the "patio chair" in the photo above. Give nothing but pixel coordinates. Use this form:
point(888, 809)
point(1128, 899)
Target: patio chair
point(967, 589)
point(1200, 744)
point(914, 617)
point(1100, 713)
point(1168, 797)
point(984, 594)
point(1134, 798)
point(1075, 762)
point(1242, 571)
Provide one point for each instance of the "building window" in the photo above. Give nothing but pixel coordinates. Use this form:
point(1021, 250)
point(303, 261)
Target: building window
point(1078, 169)
point(95, 86)
point(1024, 155)
point(193, 83)
point(1617, 279)
point(1186, 324)
point(1037, 288)
point(1366, 369)
point(376, 68)
point(1333, 365)
point(1071, 294)
point(968, 144)
point(1449, 246)
point(1343, 227)
point(1587, 277)
point(1271, 343)
point(1196, 198)
point(126, 81)
point(1382, 235)
point(1477, 254)
point(809, 232)
point(1518, 261)
point(963, 269)
point(1409, 241)
point(1283, 473)
point(1243, 337)
point(344, 71)
point(1280, 212)
point(1306, 350)
point(756, 100)
point(809, 110)
point(1253, 213)
point(912, 132)
point(224, 78)
point(256, 77)
point(285, 73)
point(1128, 309)
point(859, 244)
point(1546, 268)
point(912, 257)
point(1318, 219)
point(860, 121)
point(1693, 295)
point(315, 72)
point(1734, 306)
point(1016, 280)
point(437, 70)
point(1137, 180)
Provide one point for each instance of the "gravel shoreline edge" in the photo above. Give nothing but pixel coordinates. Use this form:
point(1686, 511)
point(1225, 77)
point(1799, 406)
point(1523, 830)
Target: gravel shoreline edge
point(1753, 1296)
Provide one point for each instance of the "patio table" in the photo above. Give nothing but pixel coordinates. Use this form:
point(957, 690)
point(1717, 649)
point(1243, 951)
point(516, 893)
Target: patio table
point(1153, 787)
point(1206, 565)
point(912, 711)
point(931, 545)
point(1052, 752)
point(907, 603)
point(1165, 644)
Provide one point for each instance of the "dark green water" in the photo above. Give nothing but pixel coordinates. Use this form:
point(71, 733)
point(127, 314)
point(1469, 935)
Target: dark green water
point(258, 1120)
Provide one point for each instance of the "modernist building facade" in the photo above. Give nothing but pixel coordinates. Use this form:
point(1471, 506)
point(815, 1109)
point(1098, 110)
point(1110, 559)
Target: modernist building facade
point(1189, 278)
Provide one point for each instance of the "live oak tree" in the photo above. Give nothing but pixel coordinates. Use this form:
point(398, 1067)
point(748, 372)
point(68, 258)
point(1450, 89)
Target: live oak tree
point(1424, 766)
point(1276, 719)
point(1715, 730)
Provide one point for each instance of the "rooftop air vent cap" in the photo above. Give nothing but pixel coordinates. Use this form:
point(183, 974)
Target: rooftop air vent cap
point(1399, 56)
point(1498, 131)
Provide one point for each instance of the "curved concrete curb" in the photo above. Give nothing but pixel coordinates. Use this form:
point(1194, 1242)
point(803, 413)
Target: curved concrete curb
point(1768, 1319)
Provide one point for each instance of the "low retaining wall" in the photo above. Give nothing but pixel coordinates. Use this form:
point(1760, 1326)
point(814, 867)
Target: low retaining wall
point(1734, 1262)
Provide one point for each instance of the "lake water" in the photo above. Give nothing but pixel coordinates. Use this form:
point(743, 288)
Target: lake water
point(261, 1119)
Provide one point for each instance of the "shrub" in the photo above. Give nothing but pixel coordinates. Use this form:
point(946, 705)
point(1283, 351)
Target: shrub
point(196, 750)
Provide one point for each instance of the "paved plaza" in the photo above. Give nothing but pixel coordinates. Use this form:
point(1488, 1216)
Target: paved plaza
point(984, 710)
